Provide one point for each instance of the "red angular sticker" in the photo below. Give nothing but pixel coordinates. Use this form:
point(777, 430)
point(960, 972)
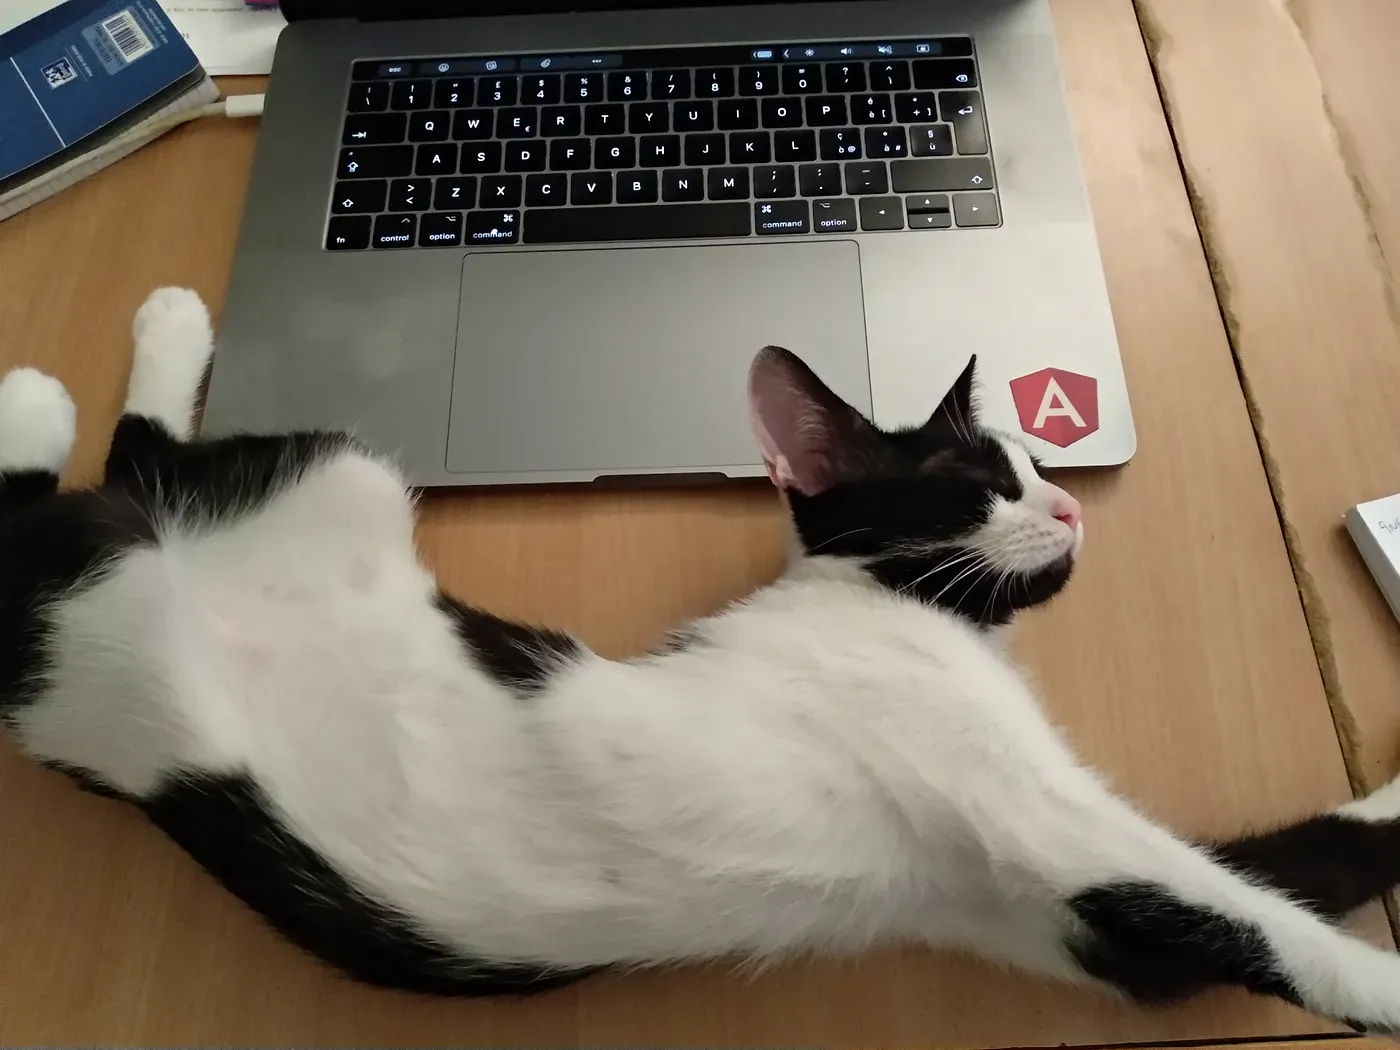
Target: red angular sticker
point(1057, 406)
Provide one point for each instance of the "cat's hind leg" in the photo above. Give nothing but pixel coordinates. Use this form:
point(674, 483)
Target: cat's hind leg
point(38, 425)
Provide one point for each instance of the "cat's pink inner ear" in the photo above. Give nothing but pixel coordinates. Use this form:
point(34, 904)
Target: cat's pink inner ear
point(791, 426)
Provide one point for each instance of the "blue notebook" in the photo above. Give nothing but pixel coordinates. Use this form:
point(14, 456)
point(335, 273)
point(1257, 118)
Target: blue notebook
point(81, 72)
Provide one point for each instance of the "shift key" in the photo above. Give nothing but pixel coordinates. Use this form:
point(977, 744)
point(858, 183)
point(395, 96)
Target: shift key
point(941, 173)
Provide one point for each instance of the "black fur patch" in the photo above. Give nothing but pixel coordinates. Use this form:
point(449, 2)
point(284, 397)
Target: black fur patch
point(681, 640)
point(85, 780)
point(18, 487)
point(226, 825)
point(522, 658)
point(1331, 864)
point(1156, 947)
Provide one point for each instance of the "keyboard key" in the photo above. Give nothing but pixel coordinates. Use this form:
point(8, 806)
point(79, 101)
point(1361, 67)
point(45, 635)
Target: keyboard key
point(963, 109)
point(627, 87)
point(846, 77)
point(819, 180)
point(430, 125)
point(528, 155)
point(834, 216)
point(481, 158)
point(394, 231)
point(601, 119)
point(440, 230)
point(704, 150)
point(368, 129)
point(495, 227)
point(416, 94)
point(683, 184)
point(870, 109)
point(370, 162)
point(454, 94)
point(368, 195)
point(881, 213)
point(740, 114)
point(775, 180)
point(670, 84)
point(497, 91)
point(659, 151)
point(546, 191)
point(929, 211)
point(410, 194)
point(888, 143)
point(826, 111)
point(916, 107)
point(541, 89)
point(594, 187)
point(694, 116)
point(843, 144)
point(781, 217)
point(516, 123)
point(750, 147)
point(931, 140)
point(714, 83)
point(369, 97)
point(867, 177)
point(782, 113)
point(583, 87)
point(558, 121)
point(638, 222)
point(648, 117)
point(758, 80)
point(436, 160)
point(889, 75)
point(976, 209)
point(945, 73)
point(346, 233)
point(729, 184)
point(802, 80)
point(471, 124)
point(615, 153)
point(454, 193)
point(637, 187)
point(950, 173)
point(792, 146)
point(570, 155)
point(502, 191)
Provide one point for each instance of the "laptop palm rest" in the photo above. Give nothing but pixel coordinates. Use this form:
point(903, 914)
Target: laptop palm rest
point(635, 360)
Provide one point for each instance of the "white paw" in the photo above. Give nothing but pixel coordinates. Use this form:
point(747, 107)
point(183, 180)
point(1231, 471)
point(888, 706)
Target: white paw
point(38, 422)
point(1380, 806)
point(174, 341)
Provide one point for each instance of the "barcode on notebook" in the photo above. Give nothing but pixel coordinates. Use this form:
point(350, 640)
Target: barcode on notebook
point(126, 35)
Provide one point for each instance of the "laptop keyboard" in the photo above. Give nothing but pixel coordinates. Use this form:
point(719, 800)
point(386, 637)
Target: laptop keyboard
point(671, 144)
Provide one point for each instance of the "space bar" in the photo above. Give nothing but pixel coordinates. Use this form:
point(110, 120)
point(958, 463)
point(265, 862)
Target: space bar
point(638, 223)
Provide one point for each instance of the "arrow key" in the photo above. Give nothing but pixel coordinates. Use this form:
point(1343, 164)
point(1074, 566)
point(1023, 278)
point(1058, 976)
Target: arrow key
point(976, 209)
point(881, 213)
point(356, 198)
point(410, 194)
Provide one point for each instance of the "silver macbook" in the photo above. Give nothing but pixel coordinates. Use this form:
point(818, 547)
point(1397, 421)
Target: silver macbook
point(518, 241)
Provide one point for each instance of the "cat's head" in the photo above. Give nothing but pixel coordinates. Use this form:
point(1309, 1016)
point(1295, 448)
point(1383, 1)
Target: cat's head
point(951, 512)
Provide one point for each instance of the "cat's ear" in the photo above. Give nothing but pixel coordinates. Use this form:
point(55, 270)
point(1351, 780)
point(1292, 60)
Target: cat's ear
point(805, 431)
point(959, 405)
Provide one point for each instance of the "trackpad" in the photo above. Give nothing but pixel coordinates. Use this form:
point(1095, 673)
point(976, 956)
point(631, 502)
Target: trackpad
point(635, 359)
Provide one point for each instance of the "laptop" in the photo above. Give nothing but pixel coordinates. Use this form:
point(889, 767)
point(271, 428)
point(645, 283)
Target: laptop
point(539, 241)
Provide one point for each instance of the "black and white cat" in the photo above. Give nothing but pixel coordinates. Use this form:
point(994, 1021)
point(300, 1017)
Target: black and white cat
point(238, 638)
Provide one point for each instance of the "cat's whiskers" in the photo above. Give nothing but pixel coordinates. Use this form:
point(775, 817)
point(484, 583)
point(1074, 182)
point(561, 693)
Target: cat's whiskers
point(966, 555)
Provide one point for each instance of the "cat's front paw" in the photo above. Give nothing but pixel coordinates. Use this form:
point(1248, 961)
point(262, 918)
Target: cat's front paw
point(38, 422)
point(176, 313)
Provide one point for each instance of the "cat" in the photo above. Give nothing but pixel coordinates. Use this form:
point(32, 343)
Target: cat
point(237, 637)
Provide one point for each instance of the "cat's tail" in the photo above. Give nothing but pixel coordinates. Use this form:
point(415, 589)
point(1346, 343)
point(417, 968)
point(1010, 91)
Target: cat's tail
point(38, 425)
point(1157, 918)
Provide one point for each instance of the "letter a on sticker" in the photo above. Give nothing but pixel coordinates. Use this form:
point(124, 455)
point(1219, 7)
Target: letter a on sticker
point(1057, 406)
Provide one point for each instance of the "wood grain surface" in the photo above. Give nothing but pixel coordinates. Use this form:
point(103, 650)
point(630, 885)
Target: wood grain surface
point(1179, 661)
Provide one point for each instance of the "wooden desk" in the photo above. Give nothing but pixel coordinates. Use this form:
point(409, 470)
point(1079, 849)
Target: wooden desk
point(1180, 659)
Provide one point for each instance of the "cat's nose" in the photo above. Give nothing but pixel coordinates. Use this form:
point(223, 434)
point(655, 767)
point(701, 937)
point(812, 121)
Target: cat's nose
point(1066, 508)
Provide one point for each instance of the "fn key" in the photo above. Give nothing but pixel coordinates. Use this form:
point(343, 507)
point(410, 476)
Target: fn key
point(347, 233)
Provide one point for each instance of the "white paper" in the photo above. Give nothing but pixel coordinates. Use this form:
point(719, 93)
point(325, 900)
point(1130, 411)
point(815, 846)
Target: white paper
point(16, 12)
point(227, 36)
